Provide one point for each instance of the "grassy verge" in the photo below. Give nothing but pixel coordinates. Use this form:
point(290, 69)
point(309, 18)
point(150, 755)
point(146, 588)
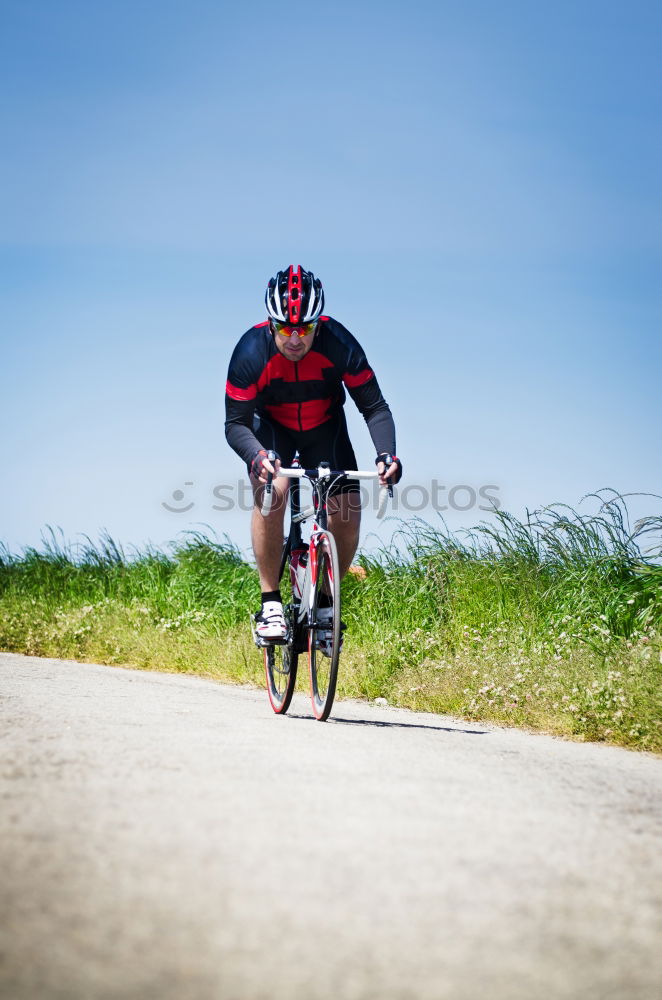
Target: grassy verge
point(554, 623)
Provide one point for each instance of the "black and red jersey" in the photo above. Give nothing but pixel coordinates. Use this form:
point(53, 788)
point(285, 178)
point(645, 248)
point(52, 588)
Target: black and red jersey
point(301, 395)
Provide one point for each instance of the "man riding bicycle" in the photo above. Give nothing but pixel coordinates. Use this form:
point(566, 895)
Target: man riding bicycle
point(285, 394)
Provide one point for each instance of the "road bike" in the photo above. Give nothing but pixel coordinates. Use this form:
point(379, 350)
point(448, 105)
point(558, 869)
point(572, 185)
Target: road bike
point(312, 612)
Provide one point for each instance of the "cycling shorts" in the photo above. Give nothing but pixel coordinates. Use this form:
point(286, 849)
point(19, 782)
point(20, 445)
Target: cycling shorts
point(327, 443)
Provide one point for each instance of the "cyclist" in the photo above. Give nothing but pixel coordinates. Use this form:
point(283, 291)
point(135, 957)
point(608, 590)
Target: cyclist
point(285, 394)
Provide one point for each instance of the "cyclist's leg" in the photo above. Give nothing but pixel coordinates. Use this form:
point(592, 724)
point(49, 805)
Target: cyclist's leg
point(345, 525)
point(267, 532)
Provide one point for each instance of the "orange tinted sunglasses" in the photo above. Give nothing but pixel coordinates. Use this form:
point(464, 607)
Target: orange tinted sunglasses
point(292, 329)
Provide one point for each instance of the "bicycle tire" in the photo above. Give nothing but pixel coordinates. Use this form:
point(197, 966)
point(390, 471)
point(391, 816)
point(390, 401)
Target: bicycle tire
point(281, 661)
point(280, 667)
point(324, 669)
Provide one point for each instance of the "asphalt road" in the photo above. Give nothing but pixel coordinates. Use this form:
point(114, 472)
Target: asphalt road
point(162, 836)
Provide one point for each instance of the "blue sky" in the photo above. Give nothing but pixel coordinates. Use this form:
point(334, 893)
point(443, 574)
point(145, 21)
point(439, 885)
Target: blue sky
point(477, 185)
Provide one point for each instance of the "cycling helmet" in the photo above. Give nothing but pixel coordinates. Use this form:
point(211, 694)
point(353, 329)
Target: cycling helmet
point(294, 296)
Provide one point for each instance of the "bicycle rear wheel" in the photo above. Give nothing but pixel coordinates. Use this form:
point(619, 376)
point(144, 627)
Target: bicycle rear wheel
point(325, 579)
point(280, 666)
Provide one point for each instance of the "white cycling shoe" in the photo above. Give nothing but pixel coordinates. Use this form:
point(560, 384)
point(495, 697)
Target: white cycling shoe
point(270, 623)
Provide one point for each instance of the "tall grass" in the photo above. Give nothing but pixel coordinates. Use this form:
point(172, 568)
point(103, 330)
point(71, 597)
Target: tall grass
point(553, 621)
point(557, 564)
point(198, 573)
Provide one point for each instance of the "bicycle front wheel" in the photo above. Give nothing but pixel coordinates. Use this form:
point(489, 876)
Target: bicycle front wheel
point(324, 633)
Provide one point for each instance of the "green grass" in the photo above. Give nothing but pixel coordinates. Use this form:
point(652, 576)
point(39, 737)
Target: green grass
point(551, 623)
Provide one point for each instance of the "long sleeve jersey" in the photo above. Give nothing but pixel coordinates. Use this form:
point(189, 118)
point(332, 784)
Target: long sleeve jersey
point(301, 395)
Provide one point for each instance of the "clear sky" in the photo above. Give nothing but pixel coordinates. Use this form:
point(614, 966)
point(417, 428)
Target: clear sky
point(477, 184)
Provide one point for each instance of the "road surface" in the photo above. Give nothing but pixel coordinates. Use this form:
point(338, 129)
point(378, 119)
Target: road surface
point(163, 836)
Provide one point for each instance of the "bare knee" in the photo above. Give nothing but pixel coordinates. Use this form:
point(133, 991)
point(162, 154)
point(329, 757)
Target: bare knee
point(345, 524)
point(279, 494)
point(345, 511)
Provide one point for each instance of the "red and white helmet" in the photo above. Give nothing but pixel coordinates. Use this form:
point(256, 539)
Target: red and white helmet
point(294, 296)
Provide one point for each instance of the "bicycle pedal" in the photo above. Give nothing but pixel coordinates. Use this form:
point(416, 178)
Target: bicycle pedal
point(261, 642)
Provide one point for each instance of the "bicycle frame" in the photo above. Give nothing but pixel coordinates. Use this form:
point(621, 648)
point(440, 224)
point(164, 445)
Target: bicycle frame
point(319, 513)
point(322, 479)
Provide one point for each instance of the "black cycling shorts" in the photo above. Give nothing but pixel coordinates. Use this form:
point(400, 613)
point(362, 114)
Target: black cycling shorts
point(327, 443)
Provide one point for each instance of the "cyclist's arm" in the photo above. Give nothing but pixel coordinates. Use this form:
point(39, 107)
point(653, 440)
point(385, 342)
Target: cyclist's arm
point(377, 414)
point(240, 399)
point(361, 384)
point(239, 428)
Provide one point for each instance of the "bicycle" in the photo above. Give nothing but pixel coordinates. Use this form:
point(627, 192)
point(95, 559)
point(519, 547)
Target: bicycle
point(315, 582)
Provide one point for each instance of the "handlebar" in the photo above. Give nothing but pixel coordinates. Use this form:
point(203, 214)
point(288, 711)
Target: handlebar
point(321, 472)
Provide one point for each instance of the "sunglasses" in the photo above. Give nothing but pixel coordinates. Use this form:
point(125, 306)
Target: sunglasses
point(290, 329)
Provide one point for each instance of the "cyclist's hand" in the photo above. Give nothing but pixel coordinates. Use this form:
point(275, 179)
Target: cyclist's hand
point(261, 466)
point(389, 468)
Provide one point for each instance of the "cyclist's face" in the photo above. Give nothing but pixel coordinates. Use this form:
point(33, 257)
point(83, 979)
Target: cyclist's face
point(294, 347)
